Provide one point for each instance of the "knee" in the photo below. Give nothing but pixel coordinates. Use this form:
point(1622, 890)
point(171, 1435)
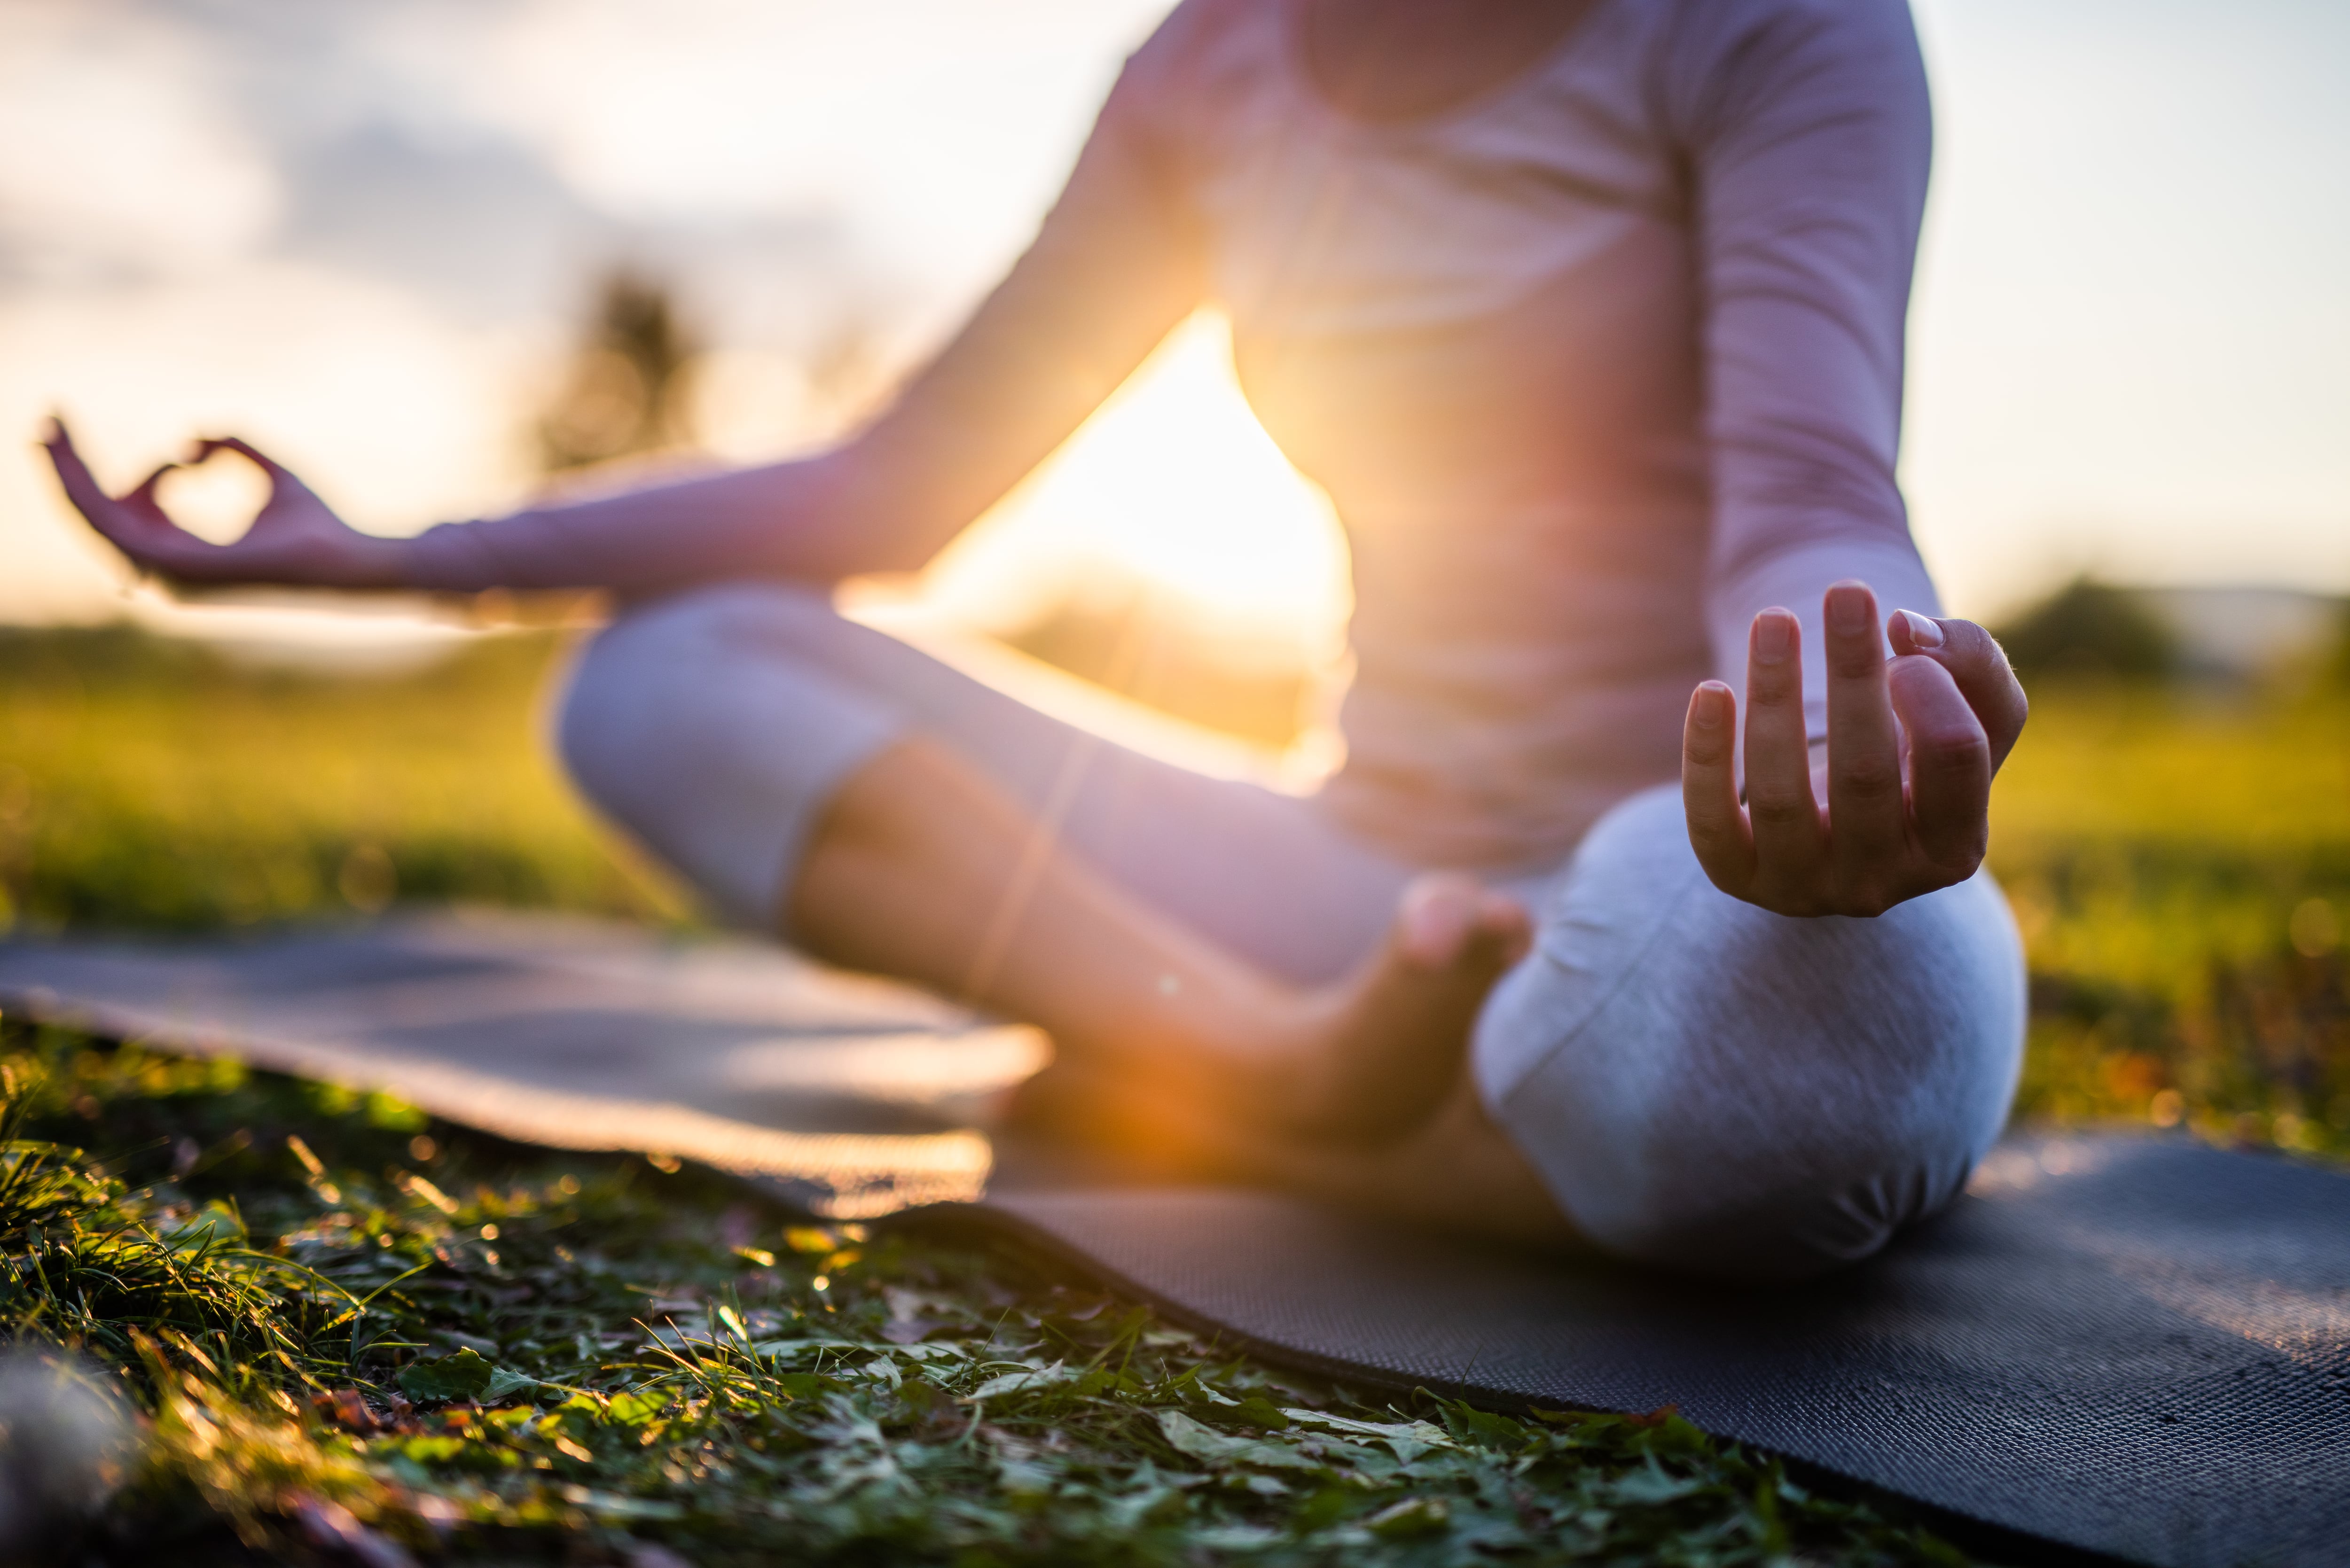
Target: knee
point(630, 711)
point(1715, 1088)
point(712, 727)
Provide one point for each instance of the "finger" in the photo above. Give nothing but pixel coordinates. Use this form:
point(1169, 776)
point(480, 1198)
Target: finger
point(1789, 847)
point(279, 475)
point(118, 523)
point(1949, 766)
point(1979, 664)
point(81, 487)
point(207, 445)
point(140, 497)
point(1509, 924)
point(1444, 915)
point(1867, 835)
point(1717, 827)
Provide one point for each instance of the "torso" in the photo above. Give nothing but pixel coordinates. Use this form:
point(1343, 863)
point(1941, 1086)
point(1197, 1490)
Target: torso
point(1390, 61)
point(1477, 327)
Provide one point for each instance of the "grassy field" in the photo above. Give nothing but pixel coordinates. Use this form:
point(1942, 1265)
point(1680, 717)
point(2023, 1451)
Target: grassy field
point(344, 1332)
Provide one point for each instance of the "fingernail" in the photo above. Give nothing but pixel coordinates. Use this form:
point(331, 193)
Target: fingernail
point(1923, 633)
point(1713, 702)
point(1775, 631)
point(1849, 613)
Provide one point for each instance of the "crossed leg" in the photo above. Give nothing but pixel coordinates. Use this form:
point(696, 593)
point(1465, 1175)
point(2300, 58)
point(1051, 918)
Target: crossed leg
point(922, 868)
point(1218, 953)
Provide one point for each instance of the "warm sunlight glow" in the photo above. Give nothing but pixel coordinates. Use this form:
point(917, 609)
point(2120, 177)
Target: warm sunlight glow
point(1172, 484)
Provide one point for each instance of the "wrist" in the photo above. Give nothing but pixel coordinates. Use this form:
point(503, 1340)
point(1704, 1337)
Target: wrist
point(374, 562)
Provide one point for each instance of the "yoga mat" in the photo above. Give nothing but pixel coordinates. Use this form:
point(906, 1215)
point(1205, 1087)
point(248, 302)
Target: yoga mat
point(2134, 1345)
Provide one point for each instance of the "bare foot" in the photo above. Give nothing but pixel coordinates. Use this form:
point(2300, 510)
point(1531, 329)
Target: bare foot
point(1348, 1067)
point(1375, 1054)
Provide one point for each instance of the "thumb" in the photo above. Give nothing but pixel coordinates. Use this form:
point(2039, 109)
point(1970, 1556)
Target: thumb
point(1977, 663)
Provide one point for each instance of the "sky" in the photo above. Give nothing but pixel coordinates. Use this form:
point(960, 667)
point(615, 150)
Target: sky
point(363, 235)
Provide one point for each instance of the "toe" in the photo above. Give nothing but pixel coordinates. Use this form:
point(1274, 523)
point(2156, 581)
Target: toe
point(1437, 918)
point(1505, 922)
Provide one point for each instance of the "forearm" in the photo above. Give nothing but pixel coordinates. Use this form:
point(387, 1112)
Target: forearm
point(808, 519)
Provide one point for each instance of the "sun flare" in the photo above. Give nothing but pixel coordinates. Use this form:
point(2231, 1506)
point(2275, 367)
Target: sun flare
point(1172, 487)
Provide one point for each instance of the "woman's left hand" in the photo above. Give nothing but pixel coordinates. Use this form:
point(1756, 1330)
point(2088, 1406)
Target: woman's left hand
point(1908, 804)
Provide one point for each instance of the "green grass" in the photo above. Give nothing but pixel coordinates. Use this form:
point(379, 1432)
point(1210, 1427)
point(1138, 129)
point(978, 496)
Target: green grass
point(321, 1302)
point(146, 784)
point(338, 1322)
point(2180, 867)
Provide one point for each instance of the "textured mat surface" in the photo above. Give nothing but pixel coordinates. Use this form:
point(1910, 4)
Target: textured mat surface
point(853, 1097)
point(2138, 1346)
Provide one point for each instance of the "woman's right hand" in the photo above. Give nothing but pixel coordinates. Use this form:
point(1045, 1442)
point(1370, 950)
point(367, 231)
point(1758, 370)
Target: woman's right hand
point(295, 540)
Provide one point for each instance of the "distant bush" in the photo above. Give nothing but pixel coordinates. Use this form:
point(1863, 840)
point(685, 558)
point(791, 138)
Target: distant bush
point(2088, 628)
point(152, 782)
point(113, 653)
point(2338, 659)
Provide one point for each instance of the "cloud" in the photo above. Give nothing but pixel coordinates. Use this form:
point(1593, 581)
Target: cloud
point(113, 162)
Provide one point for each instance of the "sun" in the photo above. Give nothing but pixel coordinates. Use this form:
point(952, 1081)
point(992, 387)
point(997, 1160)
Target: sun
point(1172, 485)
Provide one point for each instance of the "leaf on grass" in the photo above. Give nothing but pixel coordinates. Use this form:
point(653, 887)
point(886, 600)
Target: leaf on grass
point(1488, 1429)
point(804, 1385)
point(467, 1375)
point(1204, 1442)
point(1408, 1439)
point(613, 1505)
point(926, 1400)
point(1257, 1411)
point(427, 1449)
point(636, 1407)
point(1414, 1516)
point(504, 1384)
point(1650, 1485)
point(460, 1377)
point(913, 1330)
point(1234, 1538)
point(1027, 1382)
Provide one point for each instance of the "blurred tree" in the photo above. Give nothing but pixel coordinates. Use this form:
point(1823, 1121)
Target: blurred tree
point(626, 392)
point(2088, 628)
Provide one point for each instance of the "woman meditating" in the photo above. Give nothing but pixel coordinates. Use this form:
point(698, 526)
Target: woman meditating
point(1588, 314)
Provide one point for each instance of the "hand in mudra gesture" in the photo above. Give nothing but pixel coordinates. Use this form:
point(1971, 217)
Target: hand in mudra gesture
point(1907, 804)
point(296, 540)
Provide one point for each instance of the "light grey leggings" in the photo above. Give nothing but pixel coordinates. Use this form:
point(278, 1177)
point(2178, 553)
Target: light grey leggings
point(1700, 1083)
